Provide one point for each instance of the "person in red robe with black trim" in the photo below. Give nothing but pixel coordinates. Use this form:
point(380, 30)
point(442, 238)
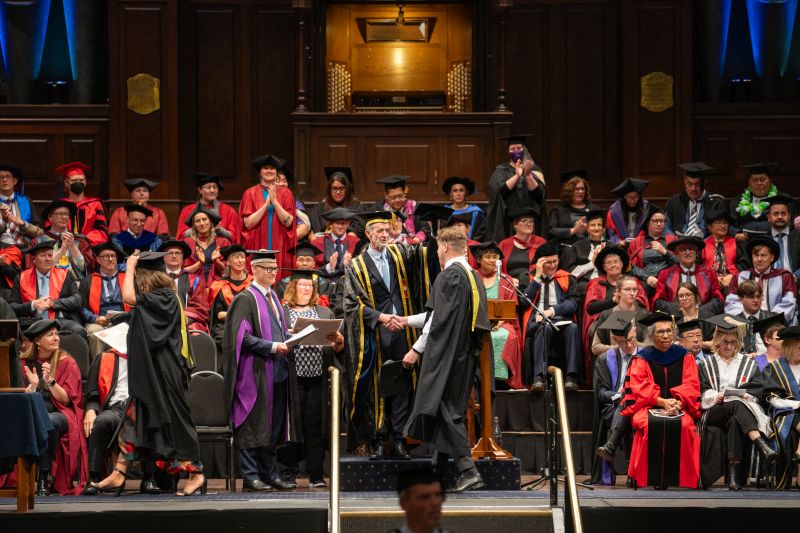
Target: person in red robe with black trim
point(662, 397)
point(206, 260)
point(687, 251)
point(191, 288)
point(337, 245)
point(101, 295)
point(140, 190)
point(520, 248)
point(10, 267)
point(268, 213)
point(721, 250)
point(648, 251)
point(208, 187)
point(55, 375)
point(90, 215)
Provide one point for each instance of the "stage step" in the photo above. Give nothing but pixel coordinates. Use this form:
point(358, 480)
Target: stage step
point(360, 474)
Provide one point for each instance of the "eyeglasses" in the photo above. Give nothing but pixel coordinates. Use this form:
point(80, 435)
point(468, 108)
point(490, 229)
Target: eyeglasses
point(526, 221)
point(6, 177)
point(692, 336)
point(663, 332)
point(657, 221)
point(108, 257)
point(396, 197)
point(269, 270)
point(60, 213)
point(685, 296)
point(309, 285)
point(491, 257)
point(729, 343)
point(338, 189)
point(173, 253)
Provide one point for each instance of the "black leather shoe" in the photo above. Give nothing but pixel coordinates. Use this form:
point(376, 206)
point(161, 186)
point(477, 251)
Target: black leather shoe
point(399, 451)
point(469, 480)
point(376, 451)
point(43, 485)
point(149, 486)
point(732, 483)
point(571, 384)
point(538, 384)
point(769, 454)
point(255, 486)
point(606, 452)
point(282, 485)
point(90, 490)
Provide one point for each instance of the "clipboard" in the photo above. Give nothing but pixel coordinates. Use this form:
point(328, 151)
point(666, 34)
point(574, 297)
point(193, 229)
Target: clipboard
point(322, 328)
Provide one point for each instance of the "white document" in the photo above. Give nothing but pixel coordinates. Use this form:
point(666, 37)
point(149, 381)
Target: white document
point(296, 339)
point(737, 393)
point(323, 328)
point(115, 336)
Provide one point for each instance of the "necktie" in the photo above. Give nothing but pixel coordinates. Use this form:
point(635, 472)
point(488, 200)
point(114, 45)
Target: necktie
point(174, 275)
point(384, 268)
point(719, 254)
point(108, 281)
point(750, 339)
point(688, 277)
point(691, 227)
point(340, 251)
point(783, 261)
point(546, 293)
point(44, 290)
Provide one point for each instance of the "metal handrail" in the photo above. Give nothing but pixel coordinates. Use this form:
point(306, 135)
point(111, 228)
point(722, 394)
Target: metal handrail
point(334, 516)
point(571, 486)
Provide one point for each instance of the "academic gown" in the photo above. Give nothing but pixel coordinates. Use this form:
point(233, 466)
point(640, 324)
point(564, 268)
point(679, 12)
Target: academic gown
point(90, 220)
point(230, 222)
point(318, 223)
point(562, 219)
point(477, 225)
point(214, 270)
point(780, 290)
point(146, 241)
point(269, 233)
point(617, 221)
point(447, 370)
point(674, 457)
point(194, 299)
point(158, 223)
point(503, 200)
point(669, 280)
point(606, 381)
point(221, 294)
point(10, 267)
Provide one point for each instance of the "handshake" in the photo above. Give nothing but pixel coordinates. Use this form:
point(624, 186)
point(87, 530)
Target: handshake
point(393, 322)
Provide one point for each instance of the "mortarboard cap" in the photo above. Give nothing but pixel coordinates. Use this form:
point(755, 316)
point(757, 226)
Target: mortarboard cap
point(201, 179)
point(547, 249)
point(338, 213)
point(594, 214)
point(40, 327)
point(259, 256)
point(724, 322)
point(433, 212)
point(516, 138)
point(97, 249)
point(630, 185)
point(40, 246)
point(686, 240)
point(377, 216)
point(305, 249)
point(133, 183)
point(200, 208)
point(569, 174)
point(347, 172)
point(267, 160)
point(57, 204)
point(394, 379)
point(781, 199)
point(611, 250)
point(717, 211)
point(151, 260)
point(457, 180)
point(392, 181)
point(689, 325)
point(658, 316)
point(286, 172)
point(75, 167)
point(522, 212)
point(138, 209)
point(488, 246)
point(789, 333)
point(14, 171)
point(175, 243)
point(301, 273)
point(696, 169)
point(753, 233)
point(761, 326)
point(226, 251)
point(760, 168)
point(417, 476)
point(463, 218)
point(764, 241)
point(619, 323)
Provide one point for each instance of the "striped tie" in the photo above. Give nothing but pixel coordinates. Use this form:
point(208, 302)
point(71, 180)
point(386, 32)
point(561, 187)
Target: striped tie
point(691, 227)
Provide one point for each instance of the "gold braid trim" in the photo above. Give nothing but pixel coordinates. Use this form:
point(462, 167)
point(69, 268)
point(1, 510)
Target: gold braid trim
point(476, 298)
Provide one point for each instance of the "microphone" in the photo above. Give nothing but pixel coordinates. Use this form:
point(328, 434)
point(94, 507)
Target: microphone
point(499, 266)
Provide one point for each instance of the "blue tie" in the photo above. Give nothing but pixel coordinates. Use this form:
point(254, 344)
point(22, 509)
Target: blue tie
point(384, 268)
point(44, 290)
point(782, 246)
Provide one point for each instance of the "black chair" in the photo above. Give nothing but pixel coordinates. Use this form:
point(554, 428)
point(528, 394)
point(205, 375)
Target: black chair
point(206, 398)
point(204, 352)
point(79, 350)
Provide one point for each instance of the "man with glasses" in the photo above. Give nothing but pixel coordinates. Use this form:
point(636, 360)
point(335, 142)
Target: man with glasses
point(257, 376)
point(687, 270)
point(396, 199)
point(208, 187)
point(101, 294)
point(690, 336)
point(72, 251)
point(191, 288)
point(89, 217)
point(136, 237)
point(19, 220)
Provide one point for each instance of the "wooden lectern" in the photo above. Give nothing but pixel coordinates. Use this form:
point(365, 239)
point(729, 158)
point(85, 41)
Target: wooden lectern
point(486, 445)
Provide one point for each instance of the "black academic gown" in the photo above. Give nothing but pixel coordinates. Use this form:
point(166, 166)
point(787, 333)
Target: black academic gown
point(562, 219)
point(449, 361)
point(502, 201)
point(605, 386)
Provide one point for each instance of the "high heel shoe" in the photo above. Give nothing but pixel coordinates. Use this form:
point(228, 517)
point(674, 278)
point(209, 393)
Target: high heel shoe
point(117, 489)
point(199, 490)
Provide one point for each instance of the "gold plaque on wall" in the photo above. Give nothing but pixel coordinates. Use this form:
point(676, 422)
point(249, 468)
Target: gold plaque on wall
point(143, 94)
point(656, 90)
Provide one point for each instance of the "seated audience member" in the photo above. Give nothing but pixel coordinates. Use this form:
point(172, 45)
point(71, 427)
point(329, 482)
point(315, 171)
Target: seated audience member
point(687, 270)
point(506, 335)
point(777, 388)
point(626, 295)
point(689, 308)
point(208, 187)
point(662, 393)
point(779, 216)
point(685, 210)
point(720, 253)
point(136, 237)
point(305, 258)
point(690, 337)
point(750, 295)
point(554, 291)
point(191, 288)
point(14, 369)
point(766, 331)
point(285, 180)
point(10, 267)
point(140, 190)
point(310, 365)
point(737, 417)
point(44, 292)
point(55, 375)
point(578, 258)
point(421, 496)
point(458, 190)
point(520, 249)
point(567, 222)
point(648, 251)
point(626, 216)
point(337, 245)
point(234, 280)
point(101, 295)
point(71, 252)
point(202, 238)
point(89, 218)
point(339, 193)
point(610, 368)
point(778, 285)
point(751, 207)
point(395, 199)
point(19, 221)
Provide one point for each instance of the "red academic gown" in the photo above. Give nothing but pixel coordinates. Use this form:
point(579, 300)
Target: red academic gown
point(90, 220)
point(216, 271)
point(507, 246)
point(11, 256)
point(283, 238)
point(157, 223)
point(670, 278)
point(710, 257)
point(194, 299)
point(512, 351)
point(638, 245)
point(230, 220)
point(350, 241)
point(643, 386)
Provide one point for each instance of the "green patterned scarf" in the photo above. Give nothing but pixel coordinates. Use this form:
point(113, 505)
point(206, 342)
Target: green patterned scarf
point(748, 207)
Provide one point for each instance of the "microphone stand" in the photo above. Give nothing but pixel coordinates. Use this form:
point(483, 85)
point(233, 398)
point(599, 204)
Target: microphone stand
point(521, 294)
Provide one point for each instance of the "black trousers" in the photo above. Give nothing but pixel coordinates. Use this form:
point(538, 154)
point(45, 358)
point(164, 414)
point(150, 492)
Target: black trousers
point(103, 432)
point(736, 420)
point(394, 346)
point(312, 405)
point(260, 463)
point(567, 340)
point(60, 427)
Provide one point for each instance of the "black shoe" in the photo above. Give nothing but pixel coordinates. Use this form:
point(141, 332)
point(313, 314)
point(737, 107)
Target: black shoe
point(769, 454)
point(399, 451)
point(149, 486)
point(282, 485)
point(90, 489)
point(606, 452)
point(317, 484)
point(376, 451)
point(202, 489)
point(43, 484)
point(117, 490)
point(469, 480)
point(571, 384)
point(732, 484)
point(255, 486)
point(538, 384)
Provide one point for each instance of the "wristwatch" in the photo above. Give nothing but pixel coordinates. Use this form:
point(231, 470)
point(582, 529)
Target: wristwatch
point(51, 382)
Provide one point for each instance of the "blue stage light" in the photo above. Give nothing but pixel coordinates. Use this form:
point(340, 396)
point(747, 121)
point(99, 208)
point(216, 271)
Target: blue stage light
point(756, 12)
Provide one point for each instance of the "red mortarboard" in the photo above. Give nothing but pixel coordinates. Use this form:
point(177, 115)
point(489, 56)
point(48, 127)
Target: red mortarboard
point(69, 168)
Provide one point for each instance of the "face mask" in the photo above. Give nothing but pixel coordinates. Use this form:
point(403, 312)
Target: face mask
point(516, 155)
point(77, 187)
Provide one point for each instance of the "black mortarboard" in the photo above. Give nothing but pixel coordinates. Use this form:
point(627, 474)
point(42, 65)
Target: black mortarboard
point(764, 241)
point(611, 250)
point(717, 211)
point(578, 173)
point(301, 273)
point(545, 250)
point(724, 322)
point(338, 213)
point(456, 180)
point(760, 168)
point(201, 179)
point(287, 173)
point(685, 240)
point(15, 171)
point(433, 212)
point(652, 209)
point(516, 138)
point(133, 183)
point(56, 204)
point(696, 169)
point(377, 216)
point(482, 248)
point(330, 172)
point(522, 212)
point(267, 160)
point(595, 214)
point(464, 218)
point(761, 326)
point(754, 233)
point(781, 199)
point(690, 325)
point(175, 243)
point(658, 316)
point(151, 260)
point(791, 333)
point(138, 209)
point(416, 476)
point(200, 208)
point(393, 181)
point(619, 323)
point(226, 251)
point(97, 249)
point(630, 185)
point(305, 249)
point(41, 327)
point(394, 379)
point(39, 246)
point(257, 256)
